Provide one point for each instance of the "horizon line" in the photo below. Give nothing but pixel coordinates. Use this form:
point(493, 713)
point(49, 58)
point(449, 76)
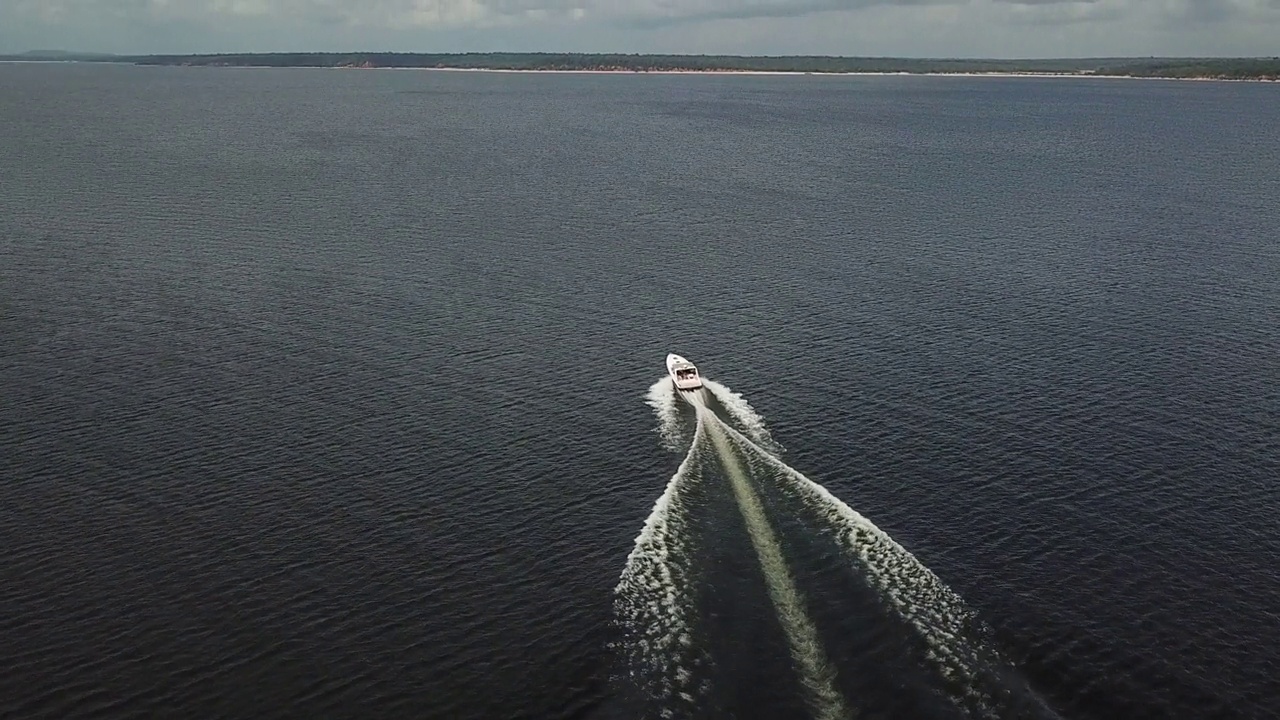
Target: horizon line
point(637, 54)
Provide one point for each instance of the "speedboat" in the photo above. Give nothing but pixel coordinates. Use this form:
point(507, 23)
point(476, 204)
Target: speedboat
point(683, 373)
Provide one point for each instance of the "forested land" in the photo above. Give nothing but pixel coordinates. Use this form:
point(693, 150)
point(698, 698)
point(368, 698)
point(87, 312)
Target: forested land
point(1208, 68)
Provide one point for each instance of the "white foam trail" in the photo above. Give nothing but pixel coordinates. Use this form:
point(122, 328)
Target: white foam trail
point(654, 593)
point(912, 590)
point(816, 673)
point(741, 410)
point(653, 596)
point(662, 398)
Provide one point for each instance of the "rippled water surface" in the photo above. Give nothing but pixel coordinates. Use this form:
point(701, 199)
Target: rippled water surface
point(322, 393)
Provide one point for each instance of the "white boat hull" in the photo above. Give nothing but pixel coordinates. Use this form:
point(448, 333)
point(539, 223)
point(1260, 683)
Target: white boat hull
point(683, 373)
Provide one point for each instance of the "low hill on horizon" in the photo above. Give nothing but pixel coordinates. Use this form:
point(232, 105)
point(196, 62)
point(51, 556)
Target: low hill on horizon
point(1260, 68)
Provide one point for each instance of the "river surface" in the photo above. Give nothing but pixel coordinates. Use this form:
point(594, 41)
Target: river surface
point(327, 394)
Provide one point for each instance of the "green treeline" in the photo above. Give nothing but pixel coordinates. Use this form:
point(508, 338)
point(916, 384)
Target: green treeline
point(638, 63)
point(1222, 68)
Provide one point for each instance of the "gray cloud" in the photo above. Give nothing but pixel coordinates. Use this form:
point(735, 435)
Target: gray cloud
point(1059, 13)
point(850, 27)
point(1049, 2)
point(657, 14)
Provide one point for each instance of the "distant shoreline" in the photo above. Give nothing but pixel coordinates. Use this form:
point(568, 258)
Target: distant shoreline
point(1030, 75)
point(1228, 69)
point(766, 73)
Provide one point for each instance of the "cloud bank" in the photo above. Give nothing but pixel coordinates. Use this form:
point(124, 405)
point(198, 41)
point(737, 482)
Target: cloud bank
point(919, 28)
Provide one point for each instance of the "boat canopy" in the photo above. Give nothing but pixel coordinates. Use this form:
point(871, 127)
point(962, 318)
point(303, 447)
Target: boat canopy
point(683, 373)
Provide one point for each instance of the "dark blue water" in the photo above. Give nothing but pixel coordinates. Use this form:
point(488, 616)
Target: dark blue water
point(322, 392)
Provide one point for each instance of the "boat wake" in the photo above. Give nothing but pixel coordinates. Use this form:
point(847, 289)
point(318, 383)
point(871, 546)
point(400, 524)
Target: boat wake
point(663, 584)
point(741, 411)
point(816, 674)
point(653, 598)
point(672, 428)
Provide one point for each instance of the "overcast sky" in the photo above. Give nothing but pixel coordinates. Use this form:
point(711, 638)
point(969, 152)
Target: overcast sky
point(915, 28)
